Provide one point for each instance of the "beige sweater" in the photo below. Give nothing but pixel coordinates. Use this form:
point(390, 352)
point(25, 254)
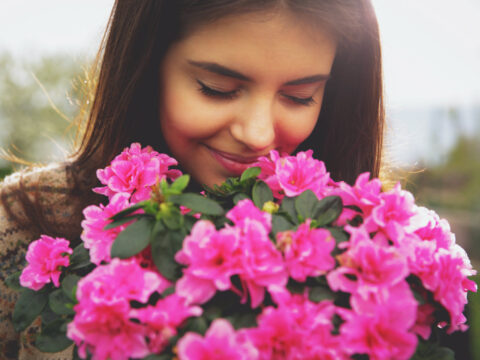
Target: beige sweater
point(51, 183)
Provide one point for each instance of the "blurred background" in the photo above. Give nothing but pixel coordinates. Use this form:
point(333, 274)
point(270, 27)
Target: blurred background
point(432, 85)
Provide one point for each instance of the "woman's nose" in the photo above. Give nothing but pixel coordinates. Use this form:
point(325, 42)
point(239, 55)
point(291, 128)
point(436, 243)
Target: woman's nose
point(254, 126)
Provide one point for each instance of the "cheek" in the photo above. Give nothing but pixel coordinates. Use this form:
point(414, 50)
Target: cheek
point(293, 131)
point(294, 127)
point(184, 110)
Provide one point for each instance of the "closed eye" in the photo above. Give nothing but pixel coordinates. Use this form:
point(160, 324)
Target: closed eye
point(301, 101)
point(229, 95)
point(204, 89)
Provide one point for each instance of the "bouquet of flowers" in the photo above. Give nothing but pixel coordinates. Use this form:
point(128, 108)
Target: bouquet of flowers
point(280, 263)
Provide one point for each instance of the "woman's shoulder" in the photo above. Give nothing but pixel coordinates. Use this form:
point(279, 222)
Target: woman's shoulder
point(38, 193)
point(44, 180)
point(26, 198)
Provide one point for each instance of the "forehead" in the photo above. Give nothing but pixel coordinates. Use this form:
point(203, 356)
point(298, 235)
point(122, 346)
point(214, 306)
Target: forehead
point(260, 44)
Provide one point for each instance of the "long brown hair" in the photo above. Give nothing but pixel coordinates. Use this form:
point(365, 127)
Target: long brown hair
point(349, 132)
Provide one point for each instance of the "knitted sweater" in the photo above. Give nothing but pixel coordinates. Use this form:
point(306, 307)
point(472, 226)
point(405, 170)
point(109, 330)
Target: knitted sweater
point(50, 185)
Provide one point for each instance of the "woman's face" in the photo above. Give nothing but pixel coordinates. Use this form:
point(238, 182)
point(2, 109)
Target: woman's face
point(235, 89)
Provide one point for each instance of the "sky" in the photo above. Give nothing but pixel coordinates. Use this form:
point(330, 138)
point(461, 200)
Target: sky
point(431, 48)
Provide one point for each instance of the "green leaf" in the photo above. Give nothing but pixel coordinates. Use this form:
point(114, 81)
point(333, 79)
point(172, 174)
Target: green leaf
point(295, 287)
point(261, 193)
point(80, 258)
point(320, 293)
point(432, 351)
point(288, 207)
point(328, 210)
point(197, 324)
point(180, 184)
point(213, 312)
point(122, 221)
point(168, 291)
point(164, 248)
point(172, 218)
point(239, 197)
point(198, 203)
point(133, 239)
point(250, 173)
point(28, 307)
point(69, 286)
point(420, 299)
point(339, 235)
point(47, 316)
point(240, 321)
point(52, 339)
point(157, 231)
point(13, 281)
point(129, 210)
point(279, 224)
point(305, 204)
point(158, 357)
point(58, 301)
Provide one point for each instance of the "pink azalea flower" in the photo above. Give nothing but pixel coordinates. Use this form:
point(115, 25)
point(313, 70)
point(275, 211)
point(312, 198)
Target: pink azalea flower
point(425, 320)
point(262, 265)
point(292, 175)
point(104, 329)
point(422, 260)
point(135, 171)
point(95, 238)
point(373, 335)
point(365, 195)
point(220, 342)
point(428, 226)
point(210, 257)
point(392, 216)
point(45, 256)
point(296, 329)
point(453, 270)
point(163, 319)
point(246, 209)
point(102, 321)
point(307, 251)
point(375, 267)
point(375, 326)
point(213, 257)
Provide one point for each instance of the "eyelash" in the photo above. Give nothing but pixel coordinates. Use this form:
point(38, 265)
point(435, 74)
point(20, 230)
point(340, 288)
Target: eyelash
point(232, 94)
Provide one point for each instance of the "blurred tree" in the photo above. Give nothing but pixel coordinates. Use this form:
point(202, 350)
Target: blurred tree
point(36, 106)
point(455, 184)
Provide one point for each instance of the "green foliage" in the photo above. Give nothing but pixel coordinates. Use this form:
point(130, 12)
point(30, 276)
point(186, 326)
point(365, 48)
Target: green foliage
point(432, 351)
point(133, 239)
point(37, 102)
point(58, 302)
point(69, 286)
point(28, 307)
point(164, 247)
point(53, 339)
point(198, 203)
point(80, 258)
point(4, 171)
point(250, 173)
point(327, 210)
point(455, 184)
point(474, 320)
point(261, 193)
point(13, 281)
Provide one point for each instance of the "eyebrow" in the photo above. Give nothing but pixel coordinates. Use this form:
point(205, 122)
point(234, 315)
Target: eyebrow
point(224, 71)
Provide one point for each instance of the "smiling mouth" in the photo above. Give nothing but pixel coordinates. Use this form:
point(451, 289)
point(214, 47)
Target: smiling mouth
point(234, 164)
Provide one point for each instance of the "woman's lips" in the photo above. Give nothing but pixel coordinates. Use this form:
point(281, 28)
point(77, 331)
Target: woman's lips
point(234, 164)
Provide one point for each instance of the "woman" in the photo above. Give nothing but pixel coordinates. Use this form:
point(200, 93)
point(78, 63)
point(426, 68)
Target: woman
point(215, 84)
